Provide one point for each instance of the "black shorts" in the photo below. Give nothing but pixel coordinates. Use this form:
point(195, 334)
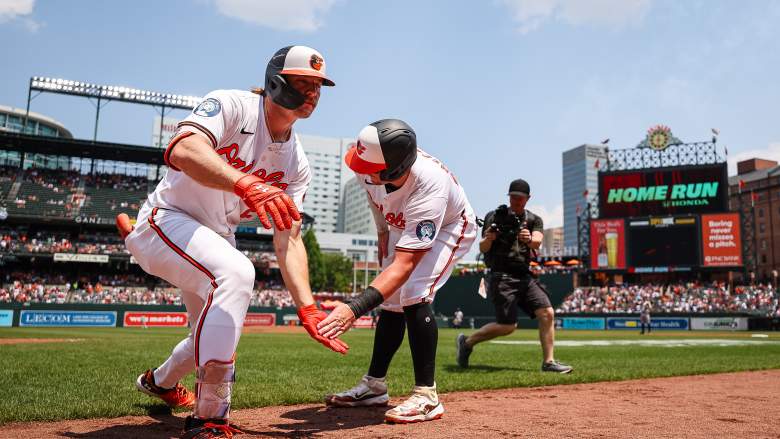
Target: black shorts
point(508, 292)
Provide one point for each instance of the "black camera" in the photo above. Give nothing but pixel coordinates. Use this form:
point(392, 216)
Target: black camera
point(507, 224)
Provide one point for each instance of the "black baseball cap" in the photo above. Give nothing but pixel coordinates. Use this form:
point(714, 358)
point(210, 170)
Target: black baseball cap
point(519, 187)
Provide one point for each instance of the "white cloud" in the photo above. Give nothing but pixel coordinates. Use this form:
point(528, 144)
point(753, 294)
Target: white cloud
point(19, 10)
point(10, 9)
point(552, 217)
point(771, 152)
point(532, 14)
point(288, 15)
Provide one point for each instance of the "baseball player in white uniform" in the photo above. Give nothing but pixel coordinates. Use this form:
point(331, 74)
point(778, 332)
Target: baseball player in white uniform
point(425, 225)
point(236, 155)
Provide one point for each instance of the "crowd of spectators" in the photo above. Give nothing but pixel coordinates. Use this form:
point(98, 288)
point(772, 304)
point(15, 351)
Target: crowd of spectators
point(22, 287)
point(16, 241)
point(117, 181)
point(57, 180)
point(760, 299)
point(108, 243)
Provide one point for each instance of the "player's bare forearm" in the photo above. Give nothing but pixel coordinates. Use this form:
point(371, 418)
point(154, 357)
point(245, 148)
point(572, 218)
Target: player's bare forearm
point(196, 158)
point(293, 263)
point(485, 245)
point(536, 240)
point(391, 278)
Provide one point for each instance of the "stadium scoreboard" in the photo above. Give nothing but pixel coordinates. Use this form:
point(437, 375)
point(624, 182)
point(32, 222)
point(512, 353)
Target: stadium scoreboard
point(664, 220)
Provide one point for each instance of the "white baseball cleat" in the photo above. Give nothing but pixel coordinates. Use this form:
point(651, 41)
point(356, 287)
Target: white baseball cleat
point(369, 392)
point(423, 405)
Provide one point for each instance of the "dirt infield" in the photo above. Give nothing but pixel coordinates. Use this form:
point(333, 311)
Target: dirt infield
point(723, 405)
point(38, 340)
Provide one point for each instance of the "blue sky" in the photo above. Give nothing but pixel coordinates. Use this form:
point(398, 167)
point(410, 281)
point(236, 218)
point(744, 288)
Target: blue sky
point(497, 89)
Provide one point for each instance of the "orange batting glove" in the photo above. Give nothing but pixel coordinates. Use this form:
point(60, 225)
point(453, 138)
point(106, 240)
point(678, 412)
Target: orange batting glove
point(265, 200)
point(310, 316)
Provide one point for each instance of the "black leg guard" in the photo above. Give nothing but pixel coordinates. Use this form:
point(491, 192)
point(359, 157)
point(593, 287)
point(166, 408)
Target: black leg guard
point(388, 337)
point(423, 337)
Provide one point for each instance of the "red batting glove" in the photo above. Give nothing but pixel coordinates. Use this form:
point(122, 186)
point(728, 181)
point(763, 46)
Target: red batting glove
point(310, 316)
point(265, 199)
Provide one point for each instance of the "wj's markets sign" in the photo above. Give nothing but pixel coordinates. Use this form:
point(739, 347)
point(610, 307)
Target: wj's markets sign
point(658, 192)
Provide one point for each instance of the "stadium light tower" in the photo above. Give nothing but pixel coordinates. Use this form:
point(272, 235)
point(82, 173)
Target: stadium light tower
point(108, 93)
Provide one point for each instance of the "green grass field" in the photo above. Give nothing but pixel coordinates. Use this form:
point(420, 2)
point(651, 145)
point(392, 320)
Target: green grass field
point(95, 377)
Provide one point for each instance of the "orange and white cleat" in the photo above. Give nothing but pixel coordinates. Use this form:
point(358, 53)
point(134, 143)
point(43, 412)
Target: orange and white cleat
point(423, 405)
point(175, 397)
point(195, 428)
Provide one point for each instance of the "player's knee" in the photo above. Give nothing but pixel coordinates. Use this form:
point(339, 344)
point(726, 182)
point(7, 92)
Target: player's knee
point(545, 314)
point(241, 273)
point(507, 329)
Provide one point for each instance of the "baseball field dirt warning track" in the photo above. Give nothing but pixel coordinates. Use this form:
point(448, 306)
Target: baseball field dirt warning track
point(721, 405)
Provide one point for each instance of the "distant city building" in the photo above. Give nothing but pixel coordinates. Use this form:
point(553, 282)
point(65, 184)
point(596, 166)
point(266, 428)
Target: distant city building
point(580, 174)
point(757, 199)
point(357, 211)
point(329, 176)
point(354, 246)
point(552, 245)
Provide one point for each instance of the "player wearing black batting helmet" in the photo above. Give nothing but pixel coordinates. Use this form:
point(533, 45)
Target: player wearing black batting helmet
point(425, 224)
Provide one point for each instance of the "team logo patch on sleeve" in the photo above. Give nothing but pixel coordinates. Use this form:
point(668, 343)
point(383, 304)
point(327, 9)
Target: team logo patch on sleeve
point(208, 108)
point(426, 230)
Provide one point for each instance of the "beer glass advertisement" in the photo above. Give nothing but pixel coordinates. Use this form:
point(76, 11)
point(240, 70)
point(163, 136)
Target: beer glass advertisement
point(607, 244)
point(721, 242)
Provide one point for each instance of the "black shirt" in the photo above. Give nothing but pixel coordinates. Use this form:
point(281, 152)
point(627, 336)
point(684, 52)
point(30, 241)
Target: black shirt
point(508, 254)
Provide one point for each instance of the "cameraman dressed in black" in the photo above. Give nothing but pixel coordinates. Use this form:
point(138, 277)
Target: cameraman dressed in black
point(510, 238)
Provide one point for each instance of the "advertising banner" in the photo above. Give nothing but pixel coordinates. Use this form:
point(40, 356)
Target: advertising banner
point(719, 323)
point(6, 317)
point(661, 323)
point(260, 319)
point(80, 257)
point(721, 241)
point(593, 323)
point(663, 191)
point(607, 244)
point(154, 318)
point(67, 318)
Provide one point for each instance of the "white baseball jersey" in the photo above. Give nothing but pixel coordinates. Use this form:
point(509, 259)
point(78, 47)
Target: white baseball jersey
point(235, 124)
point(429, 213)
point(430, 199)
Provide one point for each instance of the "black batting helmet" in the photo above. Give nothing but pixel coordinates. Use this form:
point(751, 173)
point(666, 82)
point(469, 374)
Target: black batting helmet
point(387, 146)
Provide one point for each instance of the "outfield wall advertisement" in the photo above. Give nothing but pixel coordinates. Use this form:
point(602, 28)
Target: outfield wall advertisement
point(155, 318)
point(260, 319)
point(719, 323)
point(67, 318)
point(592, 323)
point(632, 323)
point(6, 317)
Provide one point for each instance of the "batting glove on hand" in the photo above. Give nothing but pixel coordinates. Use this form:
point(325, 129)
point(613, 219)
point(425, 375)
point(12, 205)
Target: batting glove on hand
point(265, 199)
point(310, 316)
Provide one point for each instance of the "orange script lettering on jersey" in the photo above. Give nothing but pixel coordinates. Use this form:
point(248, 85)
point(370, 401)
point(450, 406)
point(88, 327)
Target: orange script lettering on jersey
point(396, 220)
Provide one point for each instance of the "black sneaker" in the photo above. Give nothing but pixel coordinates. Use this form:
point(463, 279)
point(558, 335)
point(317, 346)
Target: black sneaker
point(462, 351)
point(557, 367)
